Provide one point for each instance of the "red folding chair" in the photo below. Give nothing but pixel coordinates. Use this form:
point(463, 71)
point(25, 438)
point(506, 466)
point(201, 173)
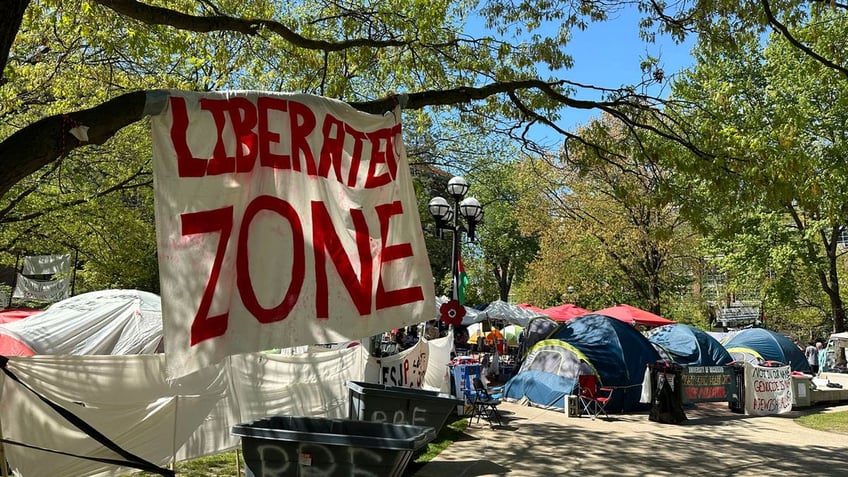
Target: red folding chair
point(593, 399)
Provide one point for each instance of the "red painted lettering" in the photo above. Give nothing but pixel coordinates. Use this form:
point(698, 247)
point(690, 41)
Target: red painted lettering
point(382, 152)
point(220, 162)
point(326, 241)
point(218, 220)
point(243, 117)
point(187, 165)
point(389, 298)
point(356, 158)
point(268, 106)
point(298, 271)
point(333, 147)
point(302, 124)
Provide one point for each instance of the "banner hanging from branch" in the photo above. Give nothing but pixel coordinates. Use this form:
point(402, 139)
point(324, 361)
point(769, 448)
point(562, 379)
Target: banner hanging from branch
point(282, 220)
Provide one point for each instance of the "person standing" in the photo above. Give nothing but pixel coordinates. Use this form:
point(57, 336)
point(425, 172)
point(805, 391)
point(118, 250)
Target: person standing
point(812, 354)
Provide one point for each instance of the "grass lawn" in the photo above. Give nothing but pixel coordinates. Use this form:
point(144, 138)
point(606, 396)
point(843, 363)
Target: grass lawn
point(826, 421)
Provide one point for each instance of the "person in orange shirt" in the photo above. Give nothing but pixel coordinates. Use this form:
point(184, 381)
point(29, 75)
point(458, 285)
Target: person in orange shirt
point(496, 340)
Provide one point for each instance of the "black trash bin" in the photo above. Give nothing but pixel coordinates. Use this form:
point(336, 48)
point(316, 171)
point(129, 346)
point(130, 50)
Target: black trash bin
point(399, 405)
point(278, 446)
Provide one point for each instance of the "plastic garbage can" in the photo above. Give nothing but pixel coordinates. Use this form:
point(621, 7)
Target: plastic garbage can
point(299, 446)
point(399, 405)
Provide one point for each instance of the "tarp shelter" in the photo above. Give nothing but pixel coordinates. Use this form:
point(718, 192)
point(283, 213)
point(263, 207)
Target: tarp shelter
point(512, 314)
point(634, 316)
point(565, 312)
point(689, 346)
point(107, 322)
point(752, 344)
point(616, 352)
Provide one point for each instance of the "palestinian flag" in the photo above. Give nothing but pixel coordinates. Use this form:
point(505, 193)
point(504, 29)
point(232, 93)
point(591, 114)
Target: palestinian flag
point(461, 280)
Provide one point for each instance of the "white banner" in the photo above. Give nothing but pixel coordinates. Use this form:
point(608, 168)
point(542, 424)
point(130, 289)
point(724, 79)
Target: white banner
point(767, 390)
point(282, 220)
point(41, 290)
point(406, 369)
point(46, 264)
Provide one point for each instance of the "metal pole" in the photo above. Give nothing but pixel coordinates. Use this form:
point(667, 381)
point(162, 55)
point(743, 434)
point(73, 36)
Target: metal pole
point(455, 250)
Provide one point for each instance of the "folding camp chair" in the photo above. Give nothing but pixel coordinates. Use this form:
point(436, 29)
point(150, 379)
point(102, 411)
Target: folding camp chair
point(485, 404)
point(593, 399)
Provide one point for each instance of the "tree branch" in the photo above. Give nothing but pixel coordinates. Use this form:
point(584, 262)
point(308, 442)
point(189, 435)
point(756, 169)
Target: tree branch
point(248, 26)
point(784, 31)
point(11, 15)
point(44, 141)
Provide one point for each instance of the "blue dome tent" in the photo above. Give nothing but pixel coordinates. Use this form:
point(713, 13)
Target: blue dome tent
point(609, 348)
point(689, 346)
point(760, 343)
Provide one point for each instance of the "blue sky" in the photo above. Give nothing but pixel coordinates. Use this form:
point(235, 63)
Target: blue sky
point(608, 55)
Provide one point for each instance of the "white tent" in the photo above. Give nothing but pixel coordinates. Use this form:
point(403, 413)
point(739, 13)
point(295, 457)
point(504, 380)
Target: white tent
point(512, 314)
point(107, 322)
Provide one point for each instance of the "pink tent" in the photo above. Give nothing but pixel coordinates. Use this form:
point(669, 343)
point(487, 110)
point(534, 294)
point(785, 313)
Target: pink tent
point(14, 314)
point(565, 312)
point(633, 315)
point(11, 346)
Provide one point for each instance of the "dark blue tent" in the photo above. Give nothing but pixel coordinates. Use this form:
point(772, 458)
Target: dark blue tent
point(611, 349)
point(537, 330)
point(760, 343)
point(689, 346)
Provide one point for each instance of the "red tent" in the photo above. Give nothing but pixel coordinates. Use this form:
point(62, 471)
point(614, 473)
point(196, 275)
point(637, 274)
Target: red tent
point(633, 315)
point(10, 345)
point(564, 312)
point(14, 314)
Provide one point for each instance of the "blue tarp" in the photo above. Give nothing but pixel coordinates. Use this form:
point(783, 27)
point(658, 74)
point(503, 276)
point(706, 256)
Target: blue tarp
point(689, 346)
point(771, 346)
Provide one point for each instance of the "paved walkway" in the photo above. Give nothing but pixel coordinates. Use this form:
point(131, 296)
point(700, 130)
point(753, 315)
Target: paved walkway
point(713, 441)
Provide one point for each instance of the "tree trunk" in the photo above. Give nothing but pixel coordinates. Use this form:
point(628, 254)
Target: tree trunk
point(11, 15)
point(836, 305)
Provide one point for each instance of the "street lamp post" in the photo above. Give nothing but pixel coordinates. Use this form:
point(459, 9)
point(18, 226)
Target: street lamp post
point(447, 218)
